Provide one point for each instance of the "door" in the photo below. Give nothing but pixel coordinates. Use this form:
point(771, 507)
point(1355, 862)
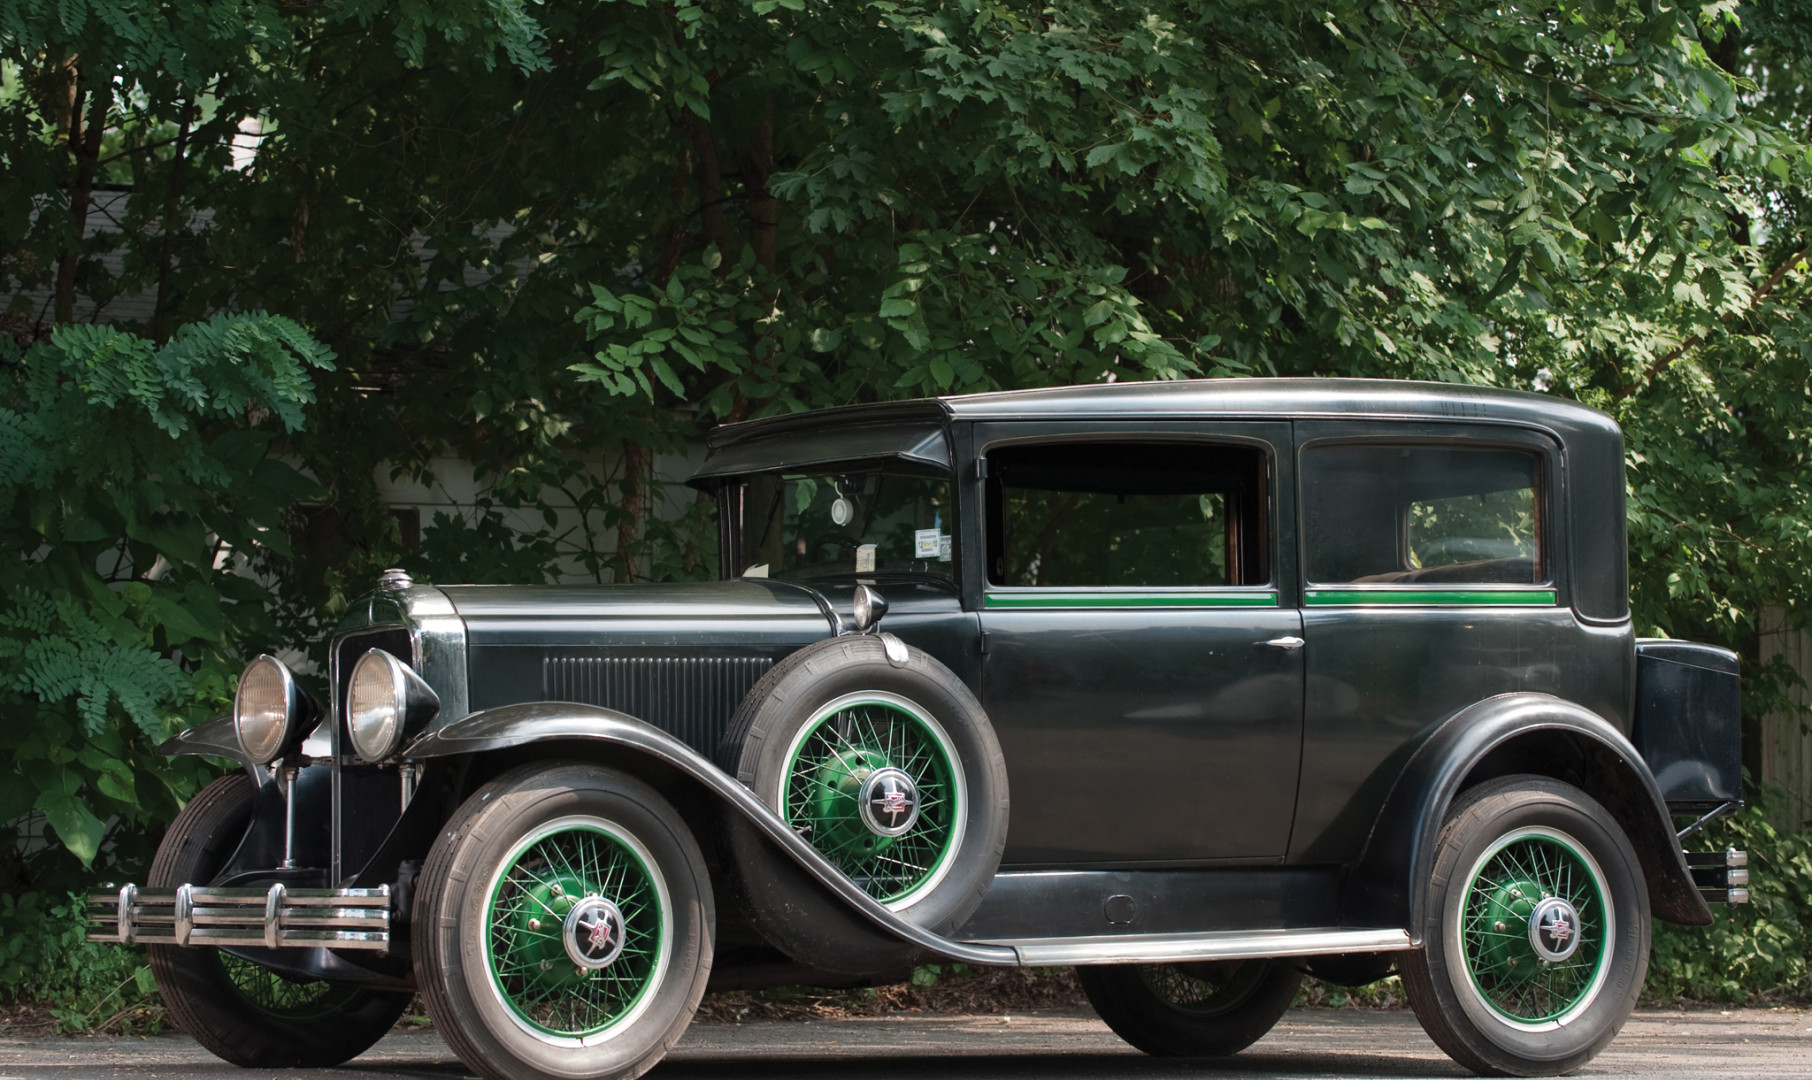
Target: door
point(1140, 668)
point(1433, 560)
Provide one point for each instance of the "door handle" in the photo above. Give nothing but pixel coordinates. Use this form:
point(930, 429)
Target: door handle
point(1288, 644)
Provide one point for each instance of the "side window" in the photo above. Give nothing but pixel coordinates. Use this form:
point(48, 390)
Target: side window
point(1425, 514)
point(1127, 514)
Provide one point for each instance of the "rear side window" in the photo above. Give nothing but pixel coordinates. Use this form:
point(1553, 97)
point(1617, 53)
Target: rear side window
point(1127, 514)
point(1422, 514)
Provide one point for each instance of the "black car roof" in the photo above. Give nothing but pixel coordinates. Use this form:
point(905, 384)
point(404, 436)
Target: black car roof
point(1226, 398)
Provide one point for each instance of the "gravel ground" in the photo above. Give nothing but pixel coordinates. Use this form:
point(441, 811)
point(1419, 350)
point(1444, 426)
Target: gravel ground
point(1751, 1044)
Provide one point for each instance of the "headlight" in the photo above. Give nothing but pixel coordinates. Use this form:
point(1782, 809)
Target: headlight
point(385, 701)
point(267, 710)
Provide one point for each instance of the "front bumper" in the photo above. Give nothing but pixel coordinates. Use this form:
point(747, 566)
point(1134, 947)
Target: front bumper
point(270, 918)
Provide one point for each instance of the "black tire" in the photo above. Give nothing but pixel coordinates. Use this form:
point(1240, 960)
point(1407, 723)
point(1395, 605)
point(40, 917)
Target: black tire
point(241, 1012)
point(509, 848)
point(927, 700)
point(1482, 986)
point(1211, 1009)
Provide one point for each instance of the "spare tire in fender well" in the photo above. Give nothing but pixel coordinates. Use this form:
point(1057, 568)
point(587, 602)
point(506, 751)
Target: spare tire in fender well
point(876, 706)
point(1511, 733)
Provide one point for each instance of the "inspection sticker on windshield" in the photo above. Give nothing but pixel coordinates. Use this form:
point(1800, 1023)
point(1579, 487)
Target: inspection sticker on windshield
point(865, 559)
point(926, 542)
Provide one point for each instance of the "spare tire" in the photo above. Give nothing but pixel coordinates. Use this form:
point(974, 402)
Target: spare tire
point(882, 759)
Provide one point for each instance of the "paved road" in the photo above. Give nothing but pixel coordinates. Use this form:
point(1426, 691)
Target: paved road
point(1747, 1044)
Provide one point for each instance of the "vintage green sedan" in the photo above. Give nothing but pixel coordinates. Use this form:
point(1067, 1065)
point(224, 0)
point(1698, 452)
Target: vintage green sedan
point(1196, 686)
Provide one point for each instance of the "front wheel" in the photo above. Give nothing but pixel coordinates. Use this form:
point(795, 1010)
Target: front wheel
point(1536, 937)
point(1211, 1009)
point(563, 925)
point(243, 1012)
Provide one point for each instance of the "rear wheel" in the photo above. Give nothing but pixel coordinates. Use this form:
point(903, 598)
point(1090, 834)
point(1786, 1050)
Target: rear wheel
point(241, 1011)
point(1536, 934)
point(1191, 1010)
point(563, 925)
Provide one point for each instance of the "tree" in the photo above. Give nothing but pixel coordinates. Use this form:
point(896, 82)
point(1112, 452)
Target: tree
point(554, 240)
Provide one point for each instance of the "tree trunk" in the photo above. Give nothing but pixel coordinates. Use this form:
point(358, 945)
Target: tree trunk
point(763, 208)
point(636, 460)
point(83, 136)
point(167, 242)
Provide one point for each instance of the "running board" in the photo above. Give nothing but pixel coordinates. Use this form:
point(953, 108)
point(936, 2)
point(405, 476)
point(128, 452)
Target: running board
point(1189, 948)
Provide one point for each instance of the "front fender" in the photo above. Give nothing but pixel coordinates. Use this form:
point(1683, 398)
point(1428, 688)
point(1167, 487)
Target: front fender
point(215, 738)
point(1513, 733)
point(558, 721)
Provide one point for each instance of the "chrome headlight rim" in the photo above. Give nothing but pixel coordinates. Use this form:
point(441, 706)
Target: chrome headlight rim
point(264, 748)
point(408, 703)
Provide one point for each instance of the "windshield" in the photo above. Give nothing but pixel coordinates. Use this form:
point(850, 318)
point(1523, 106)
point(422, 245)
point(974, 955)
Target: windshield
point(875, 521)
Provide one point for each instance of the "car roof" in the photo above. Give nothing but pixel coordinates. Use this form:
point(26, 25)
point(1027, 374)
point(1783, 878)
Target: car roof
point(1222, 398)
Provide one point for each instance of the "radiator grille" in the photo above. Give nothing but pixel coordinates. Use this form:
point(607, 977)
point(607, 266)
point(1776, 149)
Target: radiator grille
point(689, 697)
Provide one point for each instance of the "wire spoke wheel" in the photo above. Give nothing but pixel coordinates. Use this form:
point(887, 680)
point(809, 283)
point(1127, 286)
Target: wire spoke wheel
point(1535, 930)
point(281, 996)
point(577, 928)
point(1205, 989)
point(873, 783)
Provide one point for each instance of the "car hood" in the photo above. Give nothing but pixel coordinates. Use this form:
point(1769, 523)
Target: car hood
point(653, 614)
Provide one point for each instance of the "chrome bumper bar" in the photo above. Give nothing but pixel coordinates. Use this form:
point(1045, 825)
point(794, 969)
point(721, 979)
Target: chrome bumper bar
point(272, 918)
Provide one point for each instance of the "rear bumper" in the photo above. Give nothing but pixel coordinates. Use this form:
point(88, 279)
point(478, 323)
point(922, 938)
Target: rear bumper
point(1722, 876)
point(270, 918)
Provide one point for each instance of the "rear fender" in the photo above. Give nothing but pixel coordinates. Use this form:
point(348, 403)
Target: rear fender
point(1500, 736)
point(554, 723)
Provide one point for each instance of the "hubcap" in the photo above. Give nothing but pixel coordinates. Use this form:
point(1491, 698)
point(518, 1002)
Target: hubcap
point(1535, 928)
point(1554, 930)
point(595, 933)
point(889, 802)
point(577, 933)
point(874, 784)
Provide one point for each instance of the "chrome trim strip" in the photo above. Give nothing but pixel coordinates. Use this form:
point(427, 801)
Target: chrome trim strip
point(1187, 948)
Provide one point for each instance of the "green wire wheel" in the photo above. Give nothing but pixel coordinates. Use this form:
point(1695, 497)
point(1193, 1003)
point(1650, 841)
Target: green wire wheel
point(1535, 930)
point(281, 996)
point(576, 928)
point(563, 924)
point(873, 782)
point(878, 760)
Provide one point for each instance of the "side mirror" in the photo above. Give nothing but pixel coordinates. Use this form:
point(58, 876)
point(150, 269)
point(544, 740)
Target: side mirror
point(870, 607)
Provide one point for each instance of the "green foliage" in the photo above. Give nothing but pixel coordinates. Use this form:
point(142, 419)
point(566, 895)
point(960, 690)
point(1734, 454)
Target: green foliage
point(44, 957)
point(557, 239)
point(1760, 949)
point(133, 476)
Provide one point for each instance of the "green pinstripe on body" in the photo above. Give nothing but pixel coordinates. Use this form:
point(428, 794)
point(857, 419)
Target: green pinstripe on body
point(1131, 599)
point(1438, 597)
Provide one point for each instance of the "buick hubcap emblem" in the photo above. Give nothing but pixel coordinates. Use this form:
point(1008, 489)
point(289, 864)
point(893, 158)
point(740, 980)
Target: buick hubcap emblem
point(1554, 929)
point(594, 933)
point(889, 802)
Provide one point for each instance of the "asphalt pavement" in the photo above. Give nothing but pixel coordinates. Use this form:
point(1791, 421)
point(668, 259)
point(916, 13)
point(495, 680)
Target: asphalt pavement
point(1751, 1044)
